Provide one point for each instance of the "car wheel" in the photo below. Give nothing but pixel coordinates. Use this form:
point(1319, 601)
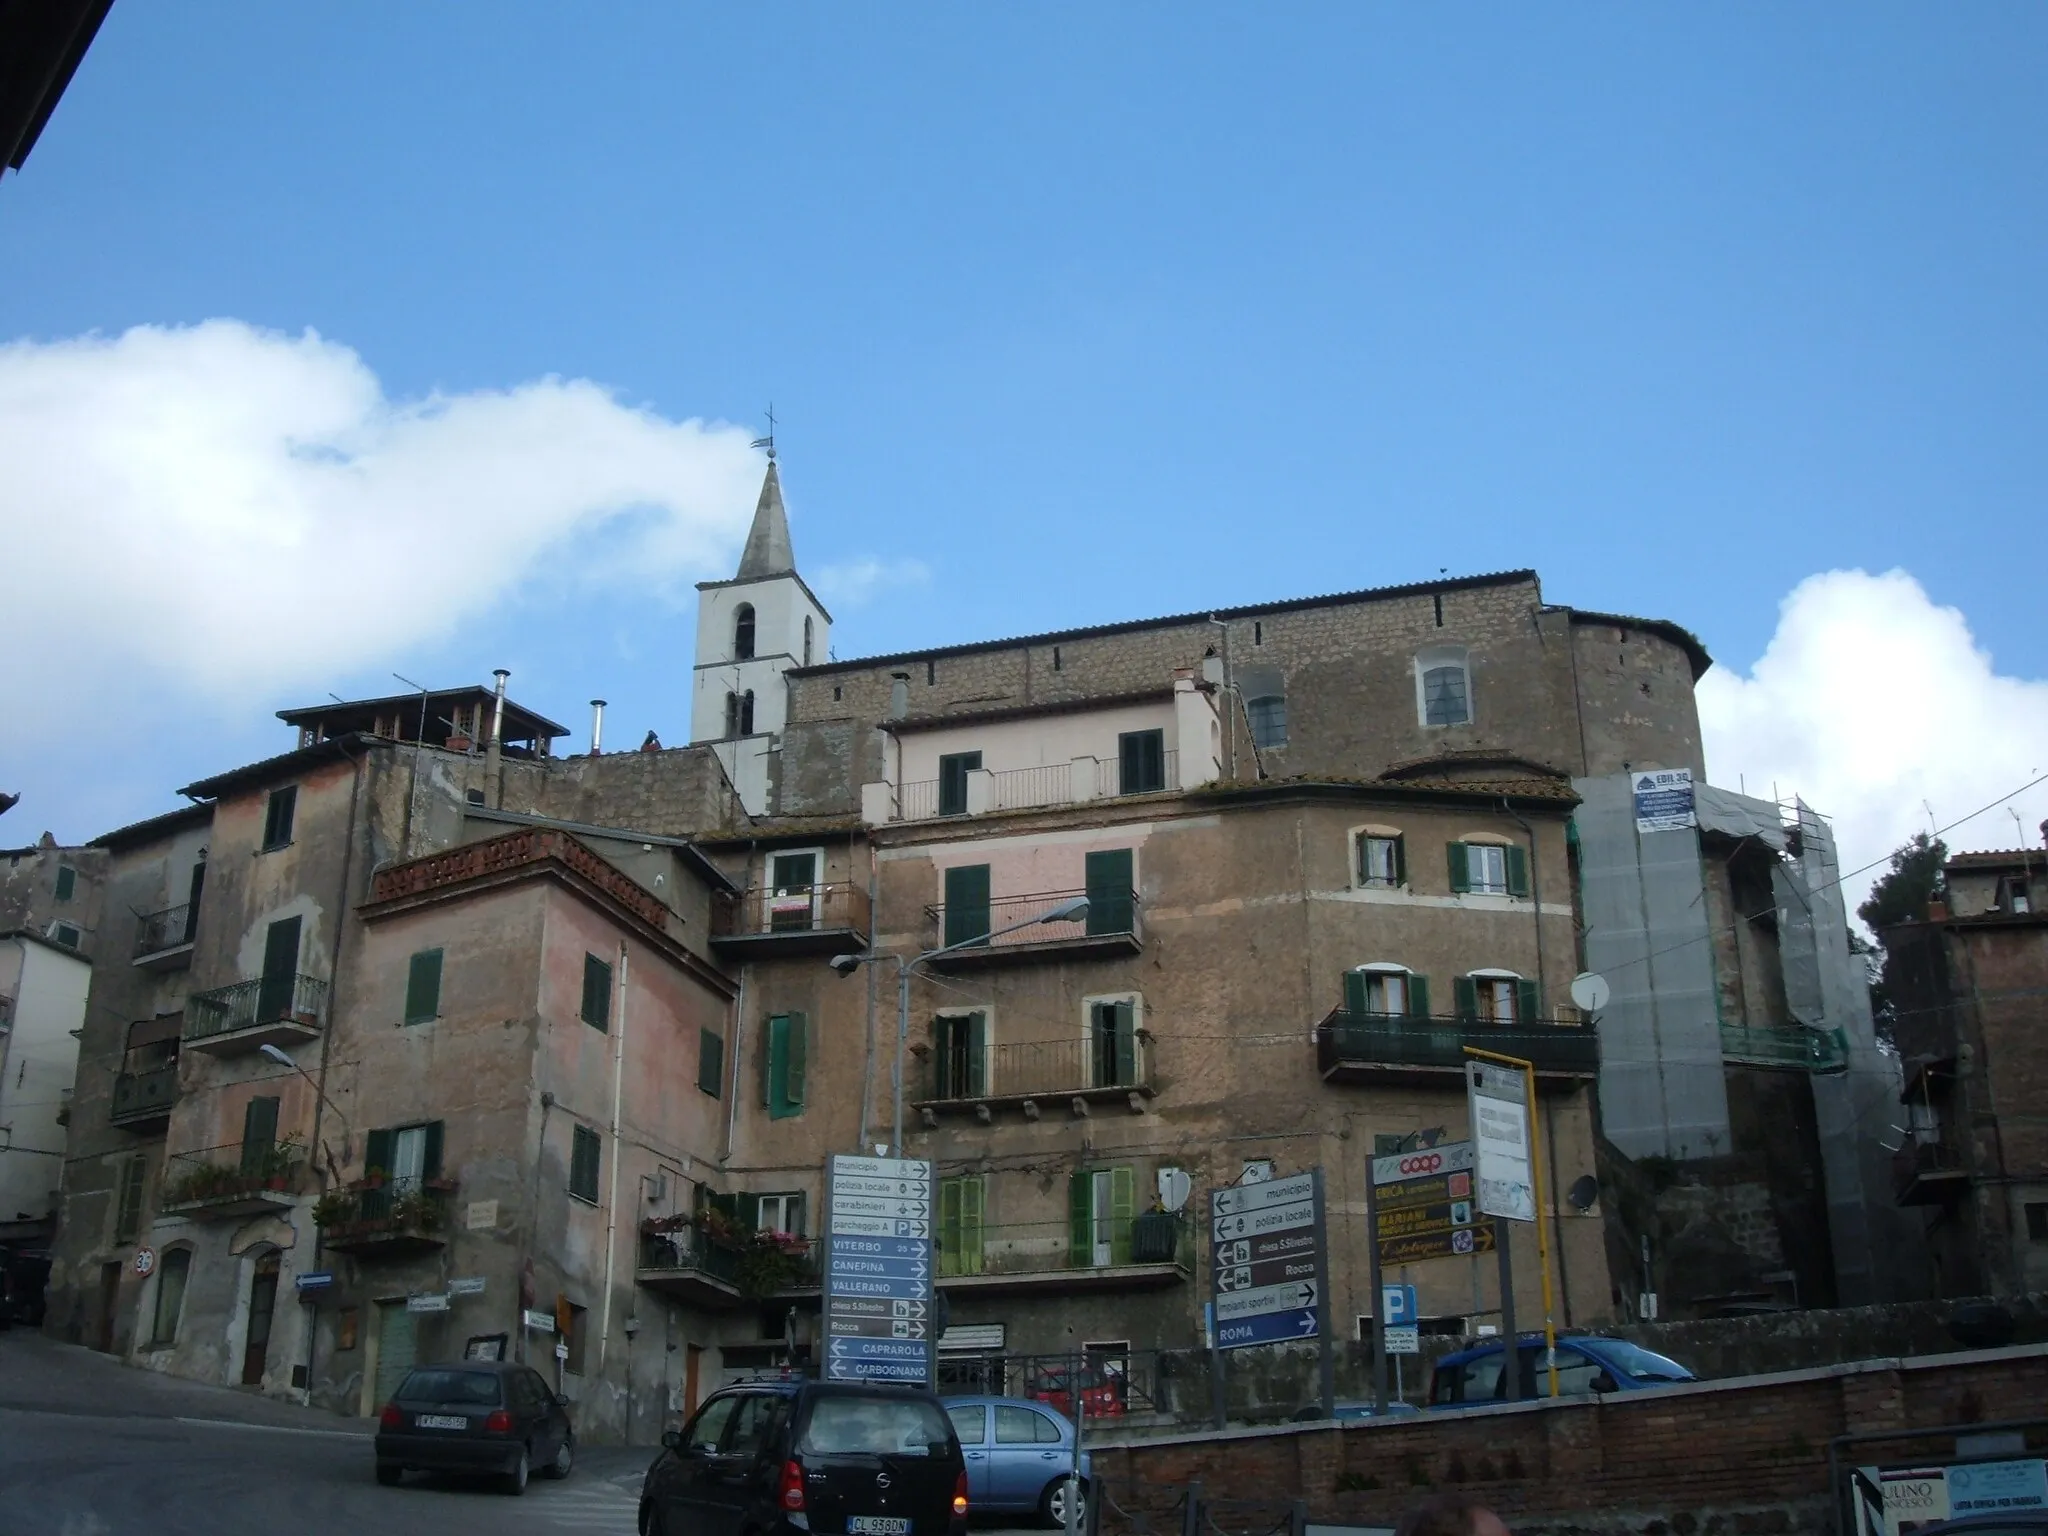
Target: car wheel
point(1052, 1504)
point(390, 1474)
point(515, 1480)
point(565, 1458)
point(650, 1521)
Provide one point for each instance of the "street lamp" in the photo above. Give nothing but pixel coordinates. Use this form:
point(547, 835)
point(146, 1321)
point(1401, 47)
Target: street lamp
point(1072, 910)
point(283, 1058)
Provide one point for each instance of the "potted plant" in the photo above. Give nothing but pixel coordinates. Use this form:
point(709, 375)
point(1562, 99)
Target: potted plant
point(333, 1209)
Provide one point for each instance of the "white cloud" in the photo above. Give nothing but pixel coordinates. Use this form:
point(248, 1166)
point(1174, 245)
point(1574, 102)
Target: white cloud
point(232, 512)
point(854, 582)
point(1872, 703)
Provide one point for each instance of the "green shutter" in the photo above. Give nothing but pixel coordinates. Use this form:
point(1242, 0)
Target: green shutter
point(67, 882)
point(597, 993)
point(967, 917)
point(1418, 997)
point(1525, 1002)
point(128, 1206)
point(1354, 994)
point(949, 1226)
point(1123, 1201)
point(977, 1054)
point(973, 1193)
point(423, 988)
point(774, 1060)
point(710, 1061)
point(1400, 861)
point(259, 1129)
point(1123, 1021)
point(1110, 897)
point(1461, 875)
point(793, 1073)
point(1467, 993)
point(1518, 870)
point(1080, 1220)
point(584, 1155)
point(377, 1152)
point(430, 1155)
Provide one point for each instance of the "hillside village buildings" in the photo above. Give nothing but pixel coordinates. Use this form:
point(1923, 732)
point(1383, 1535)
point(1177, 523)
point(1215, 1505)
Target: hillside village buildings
point(427, 1034)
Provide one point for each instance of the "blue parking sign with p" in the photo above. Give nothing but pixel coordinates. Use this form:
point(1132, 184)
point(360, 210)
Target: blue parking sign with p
point(1397, 1304)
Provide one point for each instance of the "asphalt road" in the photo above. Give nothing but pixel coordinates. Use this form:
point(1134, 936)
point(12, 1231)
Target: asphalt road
point(90, 1447)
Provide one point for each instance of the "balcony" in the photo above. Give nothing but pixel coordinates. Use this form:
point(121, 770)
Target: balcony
point(1024, 789)
point(1126, 1253)
point(791, 920)
point(1801, 1050)
point(142, 1100)
point(1113, 926)
point(220, 1183)
point(164, 942)
point(1932, 1172)
point(386, 1219)
point(271, 1010)
point(1430, 1052)
point(1029, 1076)
point(680, 1259)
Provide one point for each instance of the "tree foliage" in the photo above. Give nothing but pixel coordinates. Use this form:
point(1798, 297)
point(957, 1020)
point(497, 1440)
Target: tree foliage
point(1900, 895)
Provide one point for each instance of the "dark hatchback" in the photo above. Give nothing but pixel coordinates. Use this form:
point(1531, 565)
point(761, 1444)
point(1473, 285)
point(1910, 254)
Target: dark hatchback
point(479, 1417)
point(828, 1458)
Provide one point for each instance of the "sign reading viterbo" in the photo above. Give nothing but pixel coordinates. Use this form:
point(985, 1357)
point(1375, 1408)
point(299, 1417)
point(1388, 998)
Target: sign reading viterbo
point(1499, 1099)
point(878, 1269)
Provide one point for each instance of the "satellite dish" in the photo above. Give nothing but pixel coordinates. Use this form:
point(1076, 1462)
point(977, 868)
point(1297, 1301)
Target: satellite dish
point(1590, 991)
point(1585, 1189)
point(1174, 1188)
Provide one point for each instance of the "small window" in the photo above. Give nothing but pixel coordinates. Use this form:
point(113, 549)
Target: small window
point(1380, 862)
point(171, 1273)
point(710, 1061)
point(1141, 762)
point(953, 770)
point(128, 1201)
point(597, 993)
point(67, 882)
point(66, 935)
point(838, 692)
point(782, 1066)
point(2037, 1222)
point(732, 714)
point(586, 1152)
point(743, 632)
point(780, 1213)
point(746, 714)
point(1056, 663)
point(807, 639)
point(277, 817)
point(1444, 684)
point(1268, 717)
point(423, 987)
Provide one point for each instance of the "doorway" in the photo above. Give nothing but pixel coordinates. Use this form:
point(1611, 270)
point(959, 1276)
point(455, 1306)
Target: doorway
point(395, 1350)
point(693, 1365)
point(262, 1308)
point(1103, 1198)
point(110, 1293)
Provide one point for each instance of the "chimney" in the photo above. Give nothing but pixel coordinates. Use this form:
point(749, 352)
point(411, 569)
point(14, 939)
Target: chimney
point(899, 695)
point(494, 750)
point(596, 726)
point(498, 709)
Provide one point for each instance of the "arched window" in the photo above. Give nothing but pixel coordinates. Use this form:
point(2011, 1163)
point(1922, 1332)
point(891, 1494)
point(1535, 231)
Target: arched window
point(1385, 990)
point(732, 714)
point(746, 714)
point(171, 1273)
point(807, 640)
point(1443, 686)
point(743, 632)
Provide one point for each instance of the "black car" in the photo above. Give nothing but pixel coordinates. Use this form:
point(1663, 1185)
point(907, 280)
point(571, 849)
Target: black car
point(475, 1416)
point(771, 1458)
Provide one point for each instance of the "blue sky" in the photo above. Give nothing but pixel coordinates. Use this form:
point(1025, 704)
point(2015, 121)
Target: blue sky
point(1081, 313)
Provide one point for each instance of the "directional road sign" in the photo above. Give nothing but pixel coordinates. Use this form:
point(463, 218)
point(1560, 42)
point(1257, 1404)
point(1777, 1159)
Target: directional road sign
point(1451, 1243)
point(1271, 1328)
point(878, 1270)
point(1424, 1206)
point(1255, 1197)
point(1268, 1263)
point(1272, 1218)
point(1266, 1298)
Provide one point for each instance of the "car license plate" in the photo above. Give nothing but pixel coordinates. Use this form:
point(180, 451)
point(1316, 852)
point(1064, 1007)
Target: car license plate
point(441, 1421)
point(878, 1525)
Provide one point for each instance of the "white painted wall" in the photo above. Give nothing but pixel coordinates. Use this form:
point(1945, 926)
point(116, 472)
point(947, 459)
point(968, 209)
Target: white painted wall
point(38, 1061)
point(1039, 741)
point(780, 607)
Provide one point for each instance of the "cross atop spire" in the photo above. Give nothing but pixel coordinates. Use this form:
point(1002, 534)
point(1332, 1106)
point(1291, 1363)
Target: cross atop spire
point(768, 551)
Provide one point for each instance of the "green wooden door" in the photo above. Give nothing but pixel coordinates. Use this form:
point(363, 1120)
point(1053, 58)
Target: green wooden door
point(1111, 900)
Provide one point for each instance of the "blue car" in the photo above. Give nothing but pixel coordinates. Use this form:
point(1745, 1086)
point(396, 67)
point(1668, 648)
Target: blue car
point(1020, 1458)
point(1586, 1363)
point(1347, 1409)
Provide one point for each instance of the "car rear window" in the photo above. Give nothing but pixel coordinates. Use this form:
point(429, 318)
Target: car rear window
point(478, 1387)
point(875, 1426)
point(1640, 1364)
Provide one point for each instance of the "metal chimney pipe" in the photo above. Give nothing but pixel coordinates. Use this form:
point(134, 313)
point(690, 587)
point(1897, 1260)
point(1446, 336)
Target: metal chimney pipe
point(596, 726)
point(899, 695)
point(498, 709)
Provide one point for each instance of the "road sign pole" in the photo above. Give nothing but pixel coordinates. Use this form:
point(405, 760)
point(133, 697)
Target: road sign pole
point(1513, 1366)
point(1326, 1347)
point(1378, 1294)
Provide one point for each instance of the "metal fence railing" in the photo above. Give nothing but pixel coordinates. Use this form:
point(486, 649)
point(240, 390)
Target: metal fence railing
point(1020, 1069)
point(790, 909)
point(1373, 1040)
point(145, 1094)
point(233, 1174)
point(1110, 914)
point(367, 1214)
point(919, 801)
point(1014, 789)
point(167, 929)
point(756, 1264)
point(264, 1000)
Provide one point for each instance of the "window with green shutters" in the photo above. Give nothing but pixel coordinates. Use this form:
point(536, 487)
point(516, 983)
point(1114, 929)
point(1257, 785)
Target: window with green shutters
point(710, 1061)
point(782, 1065)
point(423, 987)
point(585, 1153)
point(404, 1154)
point(1377, 994)
point(278, 814)
point(1141, 762)
point(67, 882)
point(953, 770)
point(597, 993)
point(1113, 1043)
point(960, 1053)
point(961, 1204)
point(1489, 869)
point(1382, 861)
point(1111, 897)
point(259, 1132)
point(967, 904)
point(128, 1200)
point(1496, 999)
point(1101, 1203)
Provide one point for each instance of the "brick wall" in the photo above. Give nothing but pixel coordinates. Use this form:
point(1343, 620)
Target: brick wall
point(1746, 1457)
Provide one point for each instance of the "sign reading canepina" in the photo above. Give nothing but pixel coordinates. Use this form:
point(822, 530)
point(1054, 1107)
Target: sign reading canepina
point(878, 1270)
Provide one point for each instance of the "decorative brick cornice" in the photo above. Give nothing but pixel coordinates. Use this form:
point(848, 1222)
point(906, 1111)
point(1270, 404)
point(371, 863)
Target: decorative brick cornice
point(507, 854)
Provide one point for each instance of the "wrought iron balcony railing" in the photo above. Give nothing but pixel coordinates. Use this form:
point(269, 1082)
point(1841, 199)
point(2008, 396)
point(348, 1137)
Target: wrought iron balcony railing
point(1365, 1045)
point(1930, 1172)
point(142, 1096)
point(170, 929)
point(1049, 1069)
point(795, 913)
point(1113, 921)
point(281, 999)
point(234, 1180)
point(386, 1215)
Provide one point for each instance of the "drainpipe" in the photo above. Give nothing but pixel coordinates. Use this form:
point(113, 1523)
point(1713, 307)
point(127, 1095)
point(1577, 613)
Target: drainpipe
point(494, 753)
point(732, 1097)
point(611, 1203)
point(1535, 897)
point(596, 726)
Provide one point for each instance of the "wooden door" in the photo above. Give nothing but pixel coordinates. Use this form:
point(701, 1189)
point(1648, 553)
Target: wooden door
point(262, 1308)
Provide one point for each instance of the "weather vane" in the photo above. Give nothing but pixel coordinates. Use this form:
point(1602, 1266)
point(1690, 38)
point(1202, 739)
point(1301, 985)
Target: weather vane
point(768, 442)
